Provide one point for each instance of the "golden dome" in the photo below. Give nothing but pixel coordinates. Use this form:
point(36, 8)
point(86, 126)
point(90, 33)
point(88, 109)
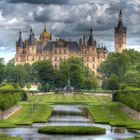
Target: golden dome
point(45, 35)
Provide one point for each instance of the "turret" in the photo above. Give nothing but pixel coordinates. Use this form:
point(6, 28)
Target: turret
point(31, 36)
point(20, 42)
point(120, 35)
point(91, 41)
point(84, 40)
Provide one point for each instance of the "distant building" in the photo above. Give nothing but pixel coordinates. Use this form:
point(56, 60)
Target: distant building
point(32, 50)
point(120, 35)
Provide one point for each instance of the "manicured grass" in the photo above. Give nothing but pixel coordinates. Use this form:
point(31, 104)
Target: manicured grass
point(7, 137)
point(136, 138)
point(28, 115)
point(72, 130)
point(111, 114)
point(64, 99)
point(134, 126)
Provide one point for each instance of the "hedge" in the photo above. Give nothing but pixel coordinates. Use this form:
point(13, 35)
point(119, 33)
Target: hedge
point(11, 97)
point(130, 98)
point(72, 130)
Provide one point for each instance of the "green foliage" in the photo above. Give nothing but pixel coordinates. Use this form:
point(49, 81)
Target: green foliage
point(80, 76)
point(10, 95)
point(2, 70)
point(111, 83)
point(16, 74)
point(72, 130)
point(45, 74)
point(123, 65)
point(130, 98)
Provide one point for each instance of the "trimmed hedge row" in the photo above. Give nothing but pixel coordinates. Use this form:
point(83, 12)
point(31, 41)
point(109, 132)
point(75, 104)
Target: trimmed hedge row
point(130, 98)
point(9, 98)
point(72, 130)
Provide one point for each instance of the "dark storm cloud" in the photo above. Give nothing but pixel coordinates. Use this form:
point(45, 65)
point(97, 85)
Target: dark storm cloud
point(68, 19)
point(47, 2)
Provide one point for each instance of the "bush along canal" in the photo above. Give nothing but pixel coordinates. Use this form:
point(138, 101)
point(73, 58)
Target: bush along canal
point(69, 122)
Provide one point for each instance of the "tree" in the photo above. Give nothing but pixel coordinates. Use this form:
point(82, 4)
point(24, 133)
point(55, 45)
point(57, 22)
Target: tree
point(81, 77)
point(132, 77)
point(16, 74)
point(115, 64)
point(2, 70)
point(111, 83)
point(45, 74)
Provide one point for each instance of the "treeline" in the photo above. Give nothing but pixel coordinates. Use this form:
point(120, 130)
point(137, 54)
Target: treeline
point(120, 68)
point(47, 77)
point(130, 98)
point(11, 96)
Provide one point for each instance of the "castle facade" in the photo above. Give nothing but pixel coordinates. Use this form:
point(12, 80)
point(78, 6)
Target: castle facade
point(45, 48)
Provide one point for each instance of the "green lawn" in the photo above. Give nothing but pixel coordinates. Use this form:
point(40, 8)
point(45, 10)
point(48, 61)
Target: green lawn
point(27, 115)
point(111, 114)
point(136, 138)
point(7, 137)
point(75, 99)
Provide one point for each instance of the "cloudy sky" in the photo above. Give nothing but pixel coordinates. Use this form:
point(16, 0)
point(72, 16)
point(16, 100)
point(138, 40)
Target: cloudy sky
point(67, 19)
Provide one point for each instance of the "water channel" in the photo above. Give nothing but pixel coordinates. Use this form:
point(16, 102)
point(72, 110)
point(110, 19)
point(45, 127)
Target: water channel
point(68, 115)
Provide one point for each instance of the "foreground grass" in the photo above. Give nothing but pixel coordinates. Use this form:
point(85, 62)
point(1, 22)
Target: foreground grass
point(111, 114)
point(27, 115)
point(136, 138)
point(72, 130)
point(7, 137)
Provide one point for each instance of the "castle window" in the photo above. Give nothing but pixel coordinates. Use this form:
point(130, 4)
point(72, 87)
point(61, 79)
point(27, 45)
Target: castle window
point(59, 51)
point(93, 58)
point(87, 59)
point(33, 59)
point(64, 51)
point(55, 58)
point(60, 58)
point(39, 58)
point(55, 51)
point(44, 58)
point(93, 66)
point(27, 58)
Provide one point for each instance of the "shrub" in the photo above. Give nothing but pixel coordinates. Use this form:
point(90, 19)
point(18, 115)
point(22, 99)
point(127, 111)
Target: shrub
point(11, 97)
point(130, 98)
point(72, 130)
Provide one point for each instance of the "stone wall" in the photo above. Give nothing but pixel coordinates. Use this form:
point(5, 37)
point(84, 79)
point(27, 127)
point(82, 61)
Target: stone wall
point(130, 112)
point(7, 113)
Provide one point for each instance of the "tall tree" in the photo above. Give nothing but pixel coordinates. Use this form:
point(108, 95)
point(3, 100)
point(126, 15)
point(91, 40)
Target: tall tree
point(2, 70)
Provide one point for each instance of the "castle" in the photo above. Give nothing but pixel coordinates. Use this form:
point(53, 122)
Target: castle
point(45, 48)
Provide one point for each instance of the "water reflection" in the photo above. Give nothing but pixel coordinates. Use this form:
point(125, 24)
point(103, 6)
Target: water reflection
point(66, 118)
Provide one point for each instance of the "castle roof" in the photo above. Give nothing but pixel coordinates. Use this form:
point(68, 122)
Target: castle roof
point(120, 27)
point(72, 45)
point(91, 39)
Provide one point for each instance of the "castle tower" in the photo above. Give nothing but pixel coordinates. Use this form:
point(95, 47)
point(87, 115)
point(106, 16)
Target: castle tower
point(120, 35)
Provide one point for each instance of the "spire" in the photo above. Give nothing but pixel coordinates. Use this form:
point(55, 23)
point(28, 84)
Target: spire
point(20, 41)
point(91, 39)
point(120, 14)
point(31, 37)
point(84, 40)
point(120, 25)
point(45, 28)
point(20, 34)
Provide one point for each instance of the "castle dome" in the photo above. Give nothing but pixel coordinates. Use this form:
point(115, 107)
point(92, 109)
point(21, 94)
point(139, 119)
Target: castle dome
point(45, 34)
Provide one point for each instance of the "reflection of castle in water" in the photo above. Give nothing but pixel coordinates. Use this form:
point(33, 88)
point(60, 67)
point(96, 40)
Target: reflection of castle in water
point(46, 48)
